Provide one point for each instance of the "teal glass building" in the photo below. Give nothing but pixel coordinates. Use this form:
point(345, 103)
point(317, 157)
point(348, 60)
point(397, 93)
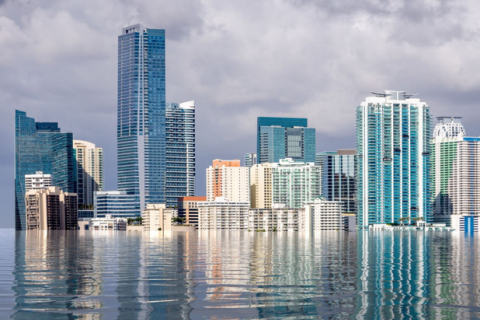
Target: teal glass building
point(141, 142)
point(393, 168)
point(280, 138)
point(180, 151)
point(40, 146)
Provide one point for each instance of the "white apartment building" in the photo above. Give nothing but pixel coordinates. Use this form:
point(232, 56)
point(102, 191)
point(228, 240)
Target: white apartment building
point(278, 218)
point(225, 178)
point(261, 185)
point(108, 223)
point(295, 183)
point(321, 214)
point(156, 217)
point(223, 214)
point(89, 162)
point(37, 181)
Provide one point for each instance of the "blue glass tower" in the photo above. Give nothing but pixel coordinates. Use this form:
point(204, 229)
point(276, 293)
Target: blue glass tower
point(40, 146)
point(141, 114)
point(280, 138)
point(393, 139)
point(180, 173)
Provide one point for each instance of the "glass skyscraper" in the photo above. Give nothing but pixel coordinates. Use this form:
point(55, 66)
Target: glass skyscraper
point(141, 142)
point(393, 138)
point(280, 138)
point(40, 146)
point(180, 173)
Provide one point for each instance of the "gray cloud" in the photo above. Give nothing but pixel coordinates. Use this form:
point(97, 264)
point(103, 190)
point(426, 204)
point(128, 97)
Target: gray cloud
point(238, 60)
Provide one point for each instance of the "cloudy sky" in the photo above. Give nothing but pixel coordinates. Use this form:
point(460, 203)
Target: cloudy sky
point(237, 59)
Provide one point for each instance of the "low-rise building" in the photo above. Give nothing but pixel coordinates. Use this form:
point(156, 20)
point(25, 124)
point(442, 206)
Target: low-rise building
point(322, 215)
point(156, 217)
point(188, 209)
point(116, 204)
point(223, 214)
point(108, 223)
point(51, 209)
point(278, 218)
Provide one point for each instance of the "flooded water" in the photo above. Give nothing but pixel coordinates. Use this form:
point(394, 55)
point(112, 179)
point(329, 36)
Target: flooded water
point(239, 275)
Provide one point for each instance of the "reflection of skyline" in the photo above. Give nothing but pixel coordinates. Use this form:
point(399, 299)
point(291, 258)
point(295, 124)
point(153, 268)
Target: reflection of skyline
point(224, 274)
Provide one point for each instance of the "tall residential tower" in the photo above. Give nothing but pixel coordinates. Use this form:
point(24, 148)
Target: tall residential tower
point(89, 167)
point(141, 129)
point(393, 138)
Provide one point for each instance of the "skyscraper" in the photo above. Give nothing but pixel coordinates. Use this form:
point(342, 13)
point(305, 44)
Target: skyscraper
point(455, 161)
point(393, 138)
point(250, 159)
point(89, 167)
point(338, 178)
point(141, 143)
point(40, 146)
point(180, 157)
point(280, 138)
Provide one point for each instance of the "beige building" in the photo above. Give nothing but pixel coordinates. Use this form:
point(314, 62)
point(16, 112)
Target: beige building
point(227, 179)
point(89, 162)
point(322, 215)
point(36, 181)
point(223, 214)
point(261, 185)
point(51, 209)
point(156, 217)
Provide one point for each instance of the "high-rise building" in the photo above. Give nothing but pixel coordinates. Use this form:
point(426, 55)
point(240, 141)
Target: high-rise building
point(38, 180)
point(261, 185)
point(188, 209)
point(40, 146)
point(180, 157)
point(338, 178)
point(280, 138)
point(89, 166)
point(295, 183)
point(227, 179)
point(141, 129)
point(455, 162)
point(51, 209)
point(393, 138)
point(223, 214)
point(250, 159)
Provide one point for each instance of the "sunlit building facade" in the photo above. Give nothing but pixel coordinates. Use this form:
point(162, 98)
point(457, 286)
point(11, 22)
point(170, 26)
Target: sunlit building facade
point(227, 179)
point(89, 168)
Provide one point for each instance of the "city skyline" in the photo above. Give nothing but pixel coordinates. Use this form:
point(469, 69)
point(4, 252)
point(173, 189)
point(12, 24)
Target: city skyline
point(326, 111)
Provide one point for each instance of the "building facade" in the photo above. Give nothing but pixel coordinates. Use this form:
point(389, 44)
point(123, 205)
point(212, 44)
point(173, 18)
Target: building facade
point(40, 146)
point(89, 168)
point(455, 173)
point(188, 209)
point(277, 218)
point(295, 183)
point(156, 217)
point(38, 180)
point(116, 204)
point(261, 185)
point(227, 179)
point(108, 223)
point(250, 159)
point(280, 138)
point(393, 138)
point(141, 127)
point(322, 215)
point(51, 209)
point(338, 178)
point(223, 214)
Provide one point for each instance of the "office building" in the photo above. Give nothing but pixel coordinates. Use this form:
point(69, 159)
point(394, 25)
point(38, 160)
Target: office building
point(393, 159)
point(188, 209)
point(51, 209)
point(223, 214)
point(261, 185)
point(116, 204)
point(278, 218)
point(250, 159)
point(322, 215)
point(40, 146)
point(156, 217)
point(280, 138)
point(227, 179)
point(38, 180)
point(89, 167)
point(455, 175)
point(141, 128)
point(180, 157)
point(108, 223)
point(295, 183)
point(338, 178)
